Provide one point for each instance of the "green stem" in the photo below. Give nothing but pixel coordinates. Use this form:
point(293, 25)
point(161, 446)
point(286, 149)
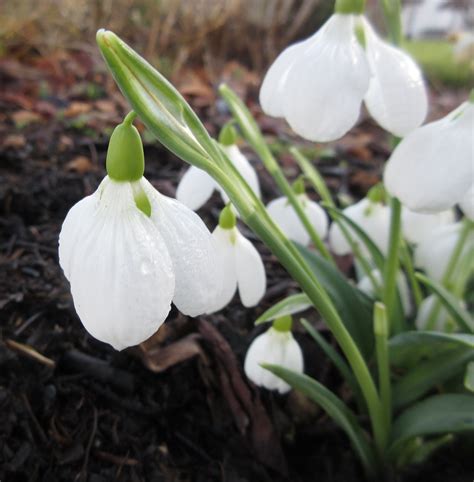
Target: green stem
point(410, 270)
point(390, 291)
point(383, 363)
point(392, 13)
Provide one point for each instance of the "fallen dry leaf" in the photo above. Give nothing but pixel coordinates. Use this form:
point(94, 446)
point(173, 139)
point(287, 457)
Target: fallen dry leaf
point(80, 164)
point(14, 141)
point(22, 118)
point(77, 108)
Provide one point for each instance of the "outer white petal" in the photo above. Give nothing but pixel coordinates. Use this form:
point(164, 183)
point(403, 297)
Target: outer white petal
point(325, 86)
point(121, 274)
point(418, 226)
point(192, 251)
point(276, 348)
point(433, 253)
point(432, 168)
point(467, 203)
point(443, 320)
point(396, 98)
point(244, 167)
point(318, 217)
point(251, 277)
point(225, 257)
point(285, 216)
point(271, 92)
point(365, 285)
point(195, 188)
point(373, 218)
point(74, 229)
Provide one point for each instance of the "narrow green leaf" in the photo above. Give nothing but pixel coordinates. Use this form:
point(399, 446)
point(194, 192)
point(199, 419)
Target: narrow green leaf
point(354, 307)
point(469, 377)
point(459, 314)
point(440, 414)
point(407, 349)
point(334, 407)
point(288, 306)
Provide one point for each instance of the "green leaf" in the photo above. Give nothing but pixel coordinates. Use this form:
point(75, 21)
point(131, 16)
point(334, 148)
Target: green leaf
point(334, 407)
point(407, 349)
point(426, 375)
point(440, 414)
point(469, 377)
point(451, 303)
point(354, 307)
point(288, 306)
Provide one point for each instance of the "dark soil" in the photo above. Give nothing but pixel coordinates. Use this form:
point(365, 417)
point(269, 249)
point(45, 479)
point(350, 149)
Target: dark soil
point(178, 408)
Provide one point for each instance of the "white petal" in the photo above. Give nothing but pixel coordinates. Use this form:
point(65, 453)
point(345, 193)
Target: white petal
point(318, 217)
point(271, 92)
point(433, 253)
point(373, 218)
point(433, 167)
point(277, 348)
point(285, 216)
point(244, 167)
point(467, 203)
point(225, 257)
point(120, 271)
point(251, 277)
point(195, 188)
point(396, 98)
point(192, 251)
point(443, 320)
point(325, 86)
point(417, 226)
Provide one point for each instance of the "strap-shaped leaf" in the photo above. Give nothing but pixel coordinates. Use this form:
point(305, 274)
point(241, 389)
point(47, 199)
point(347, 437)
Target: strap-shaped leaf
point(334, 407)
point(288, 306)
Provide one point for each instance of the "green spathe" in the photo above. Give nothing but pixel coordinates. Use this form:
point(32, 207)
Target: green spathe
point(125, 159)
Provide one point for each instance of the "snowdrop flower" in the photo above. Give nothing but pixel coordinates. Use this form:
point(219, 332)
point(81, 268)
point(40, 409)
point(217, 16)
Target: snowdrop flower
point(128, 251)
point(372, 217)
point(418, 226)
point(277, 347)
point(197, 186)
point(432, 169)
point(442, 321)
point(241, 264)
point(365, 284)
point(434, 253)
point(285, 216)
point(318, 85)
point(467, 203)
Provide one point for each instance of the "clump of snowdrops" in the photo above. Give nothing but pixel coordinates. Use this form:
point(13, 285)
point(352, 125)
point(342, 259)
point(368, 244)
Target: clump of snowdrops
point(404, 334)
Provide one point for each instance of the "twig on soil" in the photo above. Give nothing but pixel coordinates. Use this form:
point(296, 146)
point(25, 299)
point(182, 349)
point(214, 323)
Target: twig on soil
point(30, 352)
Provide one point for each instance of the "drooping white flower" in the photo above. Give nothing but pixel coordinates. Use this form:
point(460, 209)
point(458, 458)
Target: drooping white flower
point(240, 263)
point(128, 252)
point(432, 169)
point(442, 321)
point(418, 226)
point(197, 186)
point(372, 217)
point(433, 253)
point(285, 216)
point(274, 347)
point(318, 85)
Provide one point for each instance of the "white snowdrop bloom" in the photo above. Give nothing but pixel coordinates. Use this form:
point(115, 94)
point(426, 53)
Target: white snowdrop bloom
point(128, 252)
point(467, 203)
point(432, 169)
point(443, 321)
point(373, 218)
point(318, 85)
point(274, 347)
point(285, 216)
point(197, 186)
point(433, 253)
point(365, 284)
point(417, 226)
point(240, 263)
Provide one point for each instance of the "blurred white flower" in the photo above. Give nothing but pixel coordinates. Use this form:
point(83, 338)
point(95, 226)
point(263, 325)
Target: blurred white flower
point(365, 284)
point(277, 348)
point(432, 169)
point(467, 203)
point(373, 218)
point(285, 216)
point(418, 226)
point(318, 85)
point(125, 267)
point(241, 264)
point(433, 253)
point(197, 186)
point(443, 321)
